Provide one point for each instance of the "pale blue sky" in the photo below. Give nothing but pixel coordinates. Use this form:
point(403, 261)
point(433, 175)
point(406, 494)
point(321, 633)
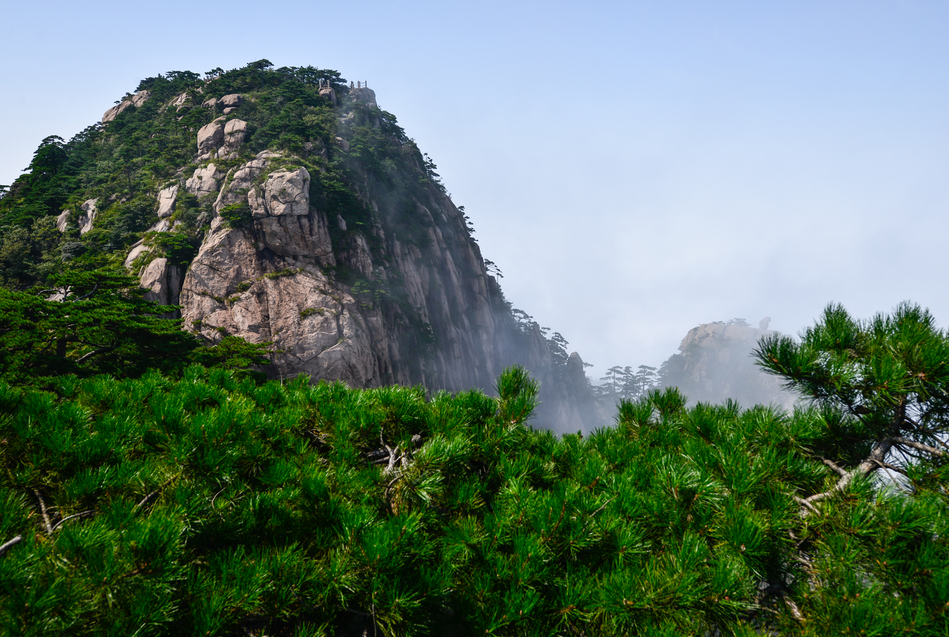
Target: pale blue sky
point(633, 168)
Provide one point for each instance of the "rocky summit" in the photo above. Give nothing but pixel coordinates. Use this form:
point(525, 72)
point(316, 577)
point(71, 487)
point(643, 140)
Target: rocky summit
point(284, 206)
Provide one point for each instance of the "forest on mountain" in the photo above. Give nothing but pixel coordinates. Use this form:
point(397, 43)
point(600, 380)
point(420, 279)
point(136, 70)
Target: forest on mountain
point(155, 481)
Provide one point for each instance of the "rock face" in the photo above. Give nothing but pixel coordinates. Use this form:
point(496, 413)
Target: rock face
point(205, 181)
point(166, 201)
point(163, 282)
point(234, 132)
point(716, 364)
point(88, 215)
point(283, 193)
point(394, 293)
point(365, 95)
point(210, 138)
point(137, 100)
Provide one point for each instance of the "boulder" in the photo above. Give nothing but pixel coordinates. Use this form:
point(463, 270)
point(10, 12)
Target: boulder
point(163, 282)
point(205, 181)
point(88, 215)
point(342, 143)
point(365, 95)
point(210, 103)
point(137, 250)
point(298, 237)
point(234, 133)
point(283, 193)
point(329, 93)
point(62, 220)
point(210, 137)
point(166, 201)
point(231, 101)
point(240, 180)
point(136, 100)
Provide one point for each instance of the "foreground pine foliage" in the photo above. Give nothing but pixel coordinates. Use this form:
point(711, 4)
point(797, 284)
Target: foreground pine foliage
point(211, 505)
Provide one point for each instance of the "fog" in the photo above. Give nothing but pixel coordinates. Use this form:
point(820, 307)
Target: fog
point(634, 169)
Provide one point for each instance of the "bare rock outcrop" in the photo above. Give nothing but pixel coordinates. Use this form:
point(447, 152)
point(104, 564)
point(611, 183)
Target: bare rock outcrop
point(210, 137)
point(136, 100)
point(240, 180)
point(88, 216)
point(365, 95)
point(205, 181)
point(329, 93)
point(62, 220)
point(162, 280)
point(283, 193)
point(234, 133)
point(231, 101)
point(166, 201)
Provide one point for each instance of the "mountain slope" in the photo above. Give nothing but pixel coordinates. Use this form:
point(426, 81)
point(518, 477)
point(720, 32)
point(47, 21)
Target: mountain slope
point(283, 206)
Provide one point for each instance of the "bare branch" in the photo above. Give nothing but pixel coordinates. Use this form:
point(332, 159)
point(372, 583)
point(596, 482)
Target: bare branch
point(94, 352)
point(804, 503)
point(919, 446)
point(164, 484)
point(871, 463)
point(46, 523)
point(834, 466)
point(6, 546)
point(795, 611)
point(81, 514)
point(890, 467)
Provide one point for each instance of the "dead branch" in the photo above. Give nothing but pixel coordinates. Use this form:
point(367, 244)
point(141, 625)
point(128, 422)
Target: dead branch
point(161, 487)
point(870, 463)
point(834, 466)
point(46, 523)
point(6, 546)
point(899, 440)
point(81, 514)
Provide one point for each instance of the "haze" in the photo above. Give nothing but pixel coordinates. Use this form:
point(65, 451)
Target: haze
point(634, 169)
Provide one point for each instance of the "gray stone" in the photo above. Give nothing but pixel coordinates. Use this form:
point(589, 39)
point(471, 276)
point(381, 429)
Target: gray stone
point(166, 201)
point(210, 137)
point(231, 101)
point(137, 250)
point(240, 180)
point(62, 220)
point(88, 215)
point(136, 100)
point(328, 92)
point(365, 95)
point(283, 193)
point(205, 181)
point(234, 133)
point(162, 280)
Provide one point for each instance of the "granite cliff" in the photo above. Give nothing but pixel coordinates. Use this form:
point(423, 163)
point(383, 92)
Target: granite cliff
point(309, 220)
